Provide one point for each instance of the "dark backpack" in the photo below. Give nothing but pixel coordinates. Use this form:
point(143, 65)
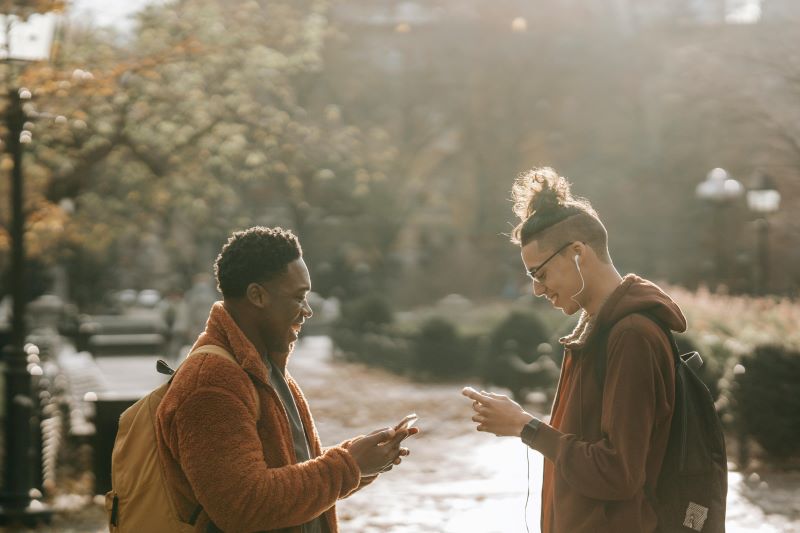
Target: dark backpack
point(692, 487)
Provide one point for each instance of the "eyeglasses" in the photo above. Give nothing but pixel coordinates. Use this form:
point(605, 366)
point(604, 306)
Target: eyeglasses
point(534, 270)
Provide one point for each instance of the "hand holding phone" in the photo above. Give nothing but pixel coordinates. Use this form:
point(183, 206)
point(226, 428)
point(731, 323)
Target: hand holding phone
point(469, 392)
point(405, 425)
point(407, 422)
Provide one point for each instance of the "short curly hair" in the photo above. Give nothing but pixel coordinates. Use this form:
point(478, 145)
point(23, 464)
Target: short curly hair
point(254, 255)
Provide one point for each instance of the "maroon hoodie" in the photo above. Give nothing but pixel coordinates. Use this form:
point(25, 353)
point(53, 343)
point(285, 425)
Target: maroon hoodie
point(606, 441)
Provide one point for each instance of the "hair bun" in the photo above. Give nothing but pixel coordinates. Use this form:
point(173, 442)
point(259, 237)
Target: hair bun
point(545, 200)
point(540, 190)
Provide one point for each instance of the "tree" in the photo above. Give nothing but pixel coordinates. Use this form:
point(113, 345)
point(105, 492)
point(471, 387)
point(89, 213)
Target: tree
point(194, 128)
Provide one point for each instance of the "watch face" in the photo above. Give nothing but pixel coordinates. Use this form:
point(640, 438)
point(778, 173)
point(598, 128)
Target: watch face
point(530, 430)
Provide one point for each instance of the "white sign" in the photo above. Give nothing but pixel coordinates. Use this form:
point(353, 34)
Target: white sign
point(27, 40)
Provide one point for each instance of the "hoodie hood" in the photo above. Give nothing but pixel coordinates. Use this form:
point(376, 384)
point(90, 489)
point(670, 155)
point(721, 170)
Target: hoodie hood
point(633, 295)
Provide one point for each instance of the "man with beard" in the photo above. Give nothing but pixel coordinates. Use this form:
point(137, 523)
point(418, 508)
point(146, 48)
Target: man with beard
point(237, 442)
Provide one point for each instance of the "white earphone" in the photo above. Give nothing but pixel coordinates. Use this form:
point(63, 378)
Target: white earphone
point(583, 282)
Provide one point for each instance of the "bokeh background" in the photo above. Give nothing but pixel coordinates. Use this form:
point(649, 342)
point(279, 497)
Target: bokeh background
point(387, 135)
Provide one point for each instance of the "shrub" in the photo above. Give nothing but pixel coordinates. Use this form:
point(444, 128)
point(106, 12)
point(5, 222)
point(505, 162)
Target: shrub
point(521, 332)
point(518, 356)
point(440, 352)
point(719, 355)
point(361, 332)
point(387, 351)
point(369, 313)
point(346, 342)
point(766, 401)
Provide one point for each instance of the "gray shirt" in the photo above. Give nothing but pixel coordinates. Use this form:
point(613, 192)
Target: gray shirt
point(302, 449)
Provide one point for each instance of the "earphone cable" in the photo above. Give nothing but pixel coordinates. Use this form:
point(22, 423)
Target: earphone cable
point(583, 282)
point(527, 486)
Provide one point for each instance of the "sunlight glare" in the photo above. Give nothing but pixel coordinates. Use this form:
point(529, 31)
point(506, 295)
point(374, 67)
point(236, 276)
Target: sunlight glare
point(519, 25)
point(743, 11)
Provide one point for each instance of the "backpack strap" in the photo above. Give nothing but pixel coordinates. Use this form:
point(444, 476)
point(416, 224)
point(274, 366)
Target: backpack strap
point(214, 349)
point(676, 352)
point(602, 360)
point(691, 359)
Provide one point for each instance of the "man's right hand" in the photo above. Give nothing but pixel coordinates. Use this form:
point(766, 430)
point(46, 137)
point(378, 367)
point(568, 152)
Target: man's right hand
point(379, 451)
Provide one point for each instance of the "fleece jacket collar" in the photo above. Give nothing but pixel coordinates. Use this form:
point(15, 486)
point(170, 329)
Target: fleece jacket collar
point(222, 330)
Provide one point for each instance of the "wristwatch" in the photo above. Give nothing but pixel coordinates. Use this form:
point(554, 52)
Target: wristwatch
point(529, 431)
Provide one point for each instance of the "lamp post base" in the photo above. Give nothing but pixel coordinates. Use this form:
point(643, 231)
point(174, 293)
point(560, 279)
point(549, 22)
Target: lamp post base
point(35, 514)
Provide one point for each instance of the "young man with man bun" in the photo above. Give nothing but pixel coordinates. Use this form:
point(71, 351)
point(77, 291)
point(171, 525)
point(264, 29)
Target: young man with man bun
point(609, 424)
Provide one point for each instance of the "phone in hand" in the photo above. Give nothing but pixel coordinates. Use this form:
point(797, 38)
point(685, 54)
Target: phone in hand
point(406, 422)
point(469, 390)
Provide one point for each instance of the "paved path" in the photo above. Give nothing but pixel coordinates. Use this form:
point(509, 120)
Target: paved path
point(456, 480)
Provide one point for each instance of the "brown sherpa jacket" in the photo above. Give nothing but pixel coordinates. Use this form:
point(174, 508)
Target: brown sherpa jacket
point(605, 442)
point(241, 470)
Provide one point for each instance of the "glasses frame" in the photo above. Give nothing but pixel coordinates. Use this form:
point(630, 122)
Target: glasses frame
point(532, 272)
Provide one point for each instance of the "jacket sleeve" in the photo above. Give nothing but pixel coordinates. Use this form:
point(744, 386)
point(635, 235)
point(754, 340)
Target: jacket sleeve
point(364, 481)
point(220, 453)
point(613, 468)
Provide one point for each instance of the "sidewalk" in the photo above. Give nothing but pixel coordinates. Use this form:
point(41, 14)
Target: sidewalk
point(456, 479)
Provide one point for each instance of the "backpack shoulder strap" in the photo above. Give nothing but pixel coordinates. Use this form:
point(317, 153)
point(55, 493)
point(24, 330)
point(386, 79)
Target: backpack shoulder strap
point(214, 349)
point(602, 359)
point(222, 352)
point(676, 352)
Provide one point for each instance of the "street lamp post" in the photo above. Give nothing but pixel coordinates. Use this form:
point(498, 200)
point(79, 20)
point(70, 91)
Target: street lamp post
point(763, 198)
point(719, 190)
point(24, 40)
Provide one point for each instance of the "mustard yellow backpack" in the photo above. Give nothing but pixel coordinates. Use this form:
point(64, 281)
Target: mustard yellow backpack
point(140, 500)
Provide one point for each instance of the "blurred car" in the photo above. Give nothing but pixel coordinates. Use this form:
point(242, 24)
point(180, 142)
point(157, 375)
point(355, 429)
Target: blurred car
point(148, 298)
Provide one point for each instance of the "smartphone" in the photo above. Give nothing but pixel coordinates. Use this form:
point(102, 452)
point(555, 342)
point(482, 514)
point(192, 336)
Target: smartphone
point(469, 389)
point(407, 422)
